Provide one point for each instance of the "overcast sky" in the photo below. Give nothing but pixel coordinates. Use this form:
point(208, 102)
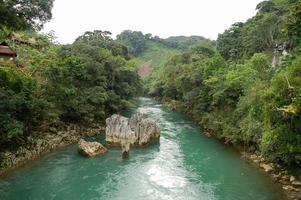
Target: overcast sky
point(71, 18)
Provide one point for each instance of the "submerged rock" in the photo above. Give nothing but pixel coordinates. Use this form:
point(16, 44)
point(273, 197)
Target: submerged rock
point(138, 130)
point(125, 147)
point(90, 148)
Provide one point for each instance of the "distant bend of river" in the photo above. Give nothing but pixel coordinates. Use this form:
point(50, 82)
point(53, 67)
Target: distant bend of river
point(184, 166)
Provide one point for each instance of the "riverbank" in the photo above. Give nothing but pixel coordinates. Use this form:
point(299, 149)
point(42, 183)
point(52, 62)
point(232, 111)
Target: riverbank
point(185, 165)
point(45, 139)
point(290, 184)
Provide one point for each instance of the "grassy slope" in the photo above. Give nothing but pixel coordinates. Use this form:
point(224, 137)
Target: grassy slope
point(156, 52)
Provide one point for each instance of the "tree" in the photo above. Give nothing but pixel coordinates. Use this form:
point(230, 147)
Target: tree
point(235, 92)
point(293, 25)
point(25, 14)
point(229, 44)
point(81, 83)
point(282, 110)
point(102, 39)
point(20, 107)
point(92, 79)
point(265, 6)
point(134, 40)
point(262, 33)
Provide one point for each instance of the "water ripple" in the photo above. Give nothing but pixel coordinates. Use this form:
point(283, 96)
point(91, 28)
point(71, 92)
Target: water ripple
point(185, 166)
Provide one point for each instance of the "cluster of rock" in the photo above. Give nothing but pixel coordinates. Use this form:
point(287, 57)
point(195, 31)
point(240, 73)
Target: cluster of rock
point(289, 183)
point(280, 51)
point(48, 137)
point(138, 130)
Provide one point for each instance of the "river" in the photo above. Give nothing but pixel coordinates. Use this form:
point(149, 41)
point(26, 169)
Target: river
point(185, 166)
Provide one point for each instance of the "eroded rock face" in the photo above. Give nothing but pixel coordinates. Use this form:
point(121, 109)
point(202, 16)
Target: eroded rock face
point(137, 130)
point(90, 148)
point(118, 130)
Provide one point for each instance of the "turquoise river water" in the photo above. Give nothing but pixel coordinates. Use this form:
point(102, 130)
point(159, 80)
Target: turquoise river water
point(185, 166)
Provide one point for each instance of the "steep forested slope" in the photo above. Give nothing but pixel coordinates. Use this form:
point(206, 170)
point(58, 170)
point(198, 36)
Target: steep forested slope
point(80, 83)
point(247, 89)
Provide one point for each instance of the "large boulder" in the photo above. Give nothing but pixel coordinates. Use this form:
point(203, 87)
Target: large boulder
point(90, 148)
point(138, 130)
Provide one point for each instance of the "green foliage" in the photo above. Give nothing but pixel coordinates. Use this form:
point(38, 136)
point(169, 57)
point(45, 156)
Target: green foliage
point(25, 14)
point(138, 43)
point(293, 22)
point(229, 44)
point(261, 33)
point(228, 86)
point(184, 43)
point(266, 7)
point(282, 109)
point(82, 83)
point(102, 39)
point(236, 92)
point(156, 51)
point(134, 40)
point(92, 79)
point(20, 107)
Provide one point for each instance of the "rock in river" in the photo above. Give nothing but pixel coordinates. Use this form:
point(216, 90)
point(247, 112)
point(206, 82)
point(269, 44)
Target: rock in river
point(138, 130)
point(90, 148)
point(125, 147)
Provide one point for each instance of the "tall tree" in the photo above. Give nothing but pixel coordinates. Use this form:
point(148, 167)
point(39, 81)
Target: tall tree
point(293, 25)
point(229, 43)
point(134, 40)
point(25, 14)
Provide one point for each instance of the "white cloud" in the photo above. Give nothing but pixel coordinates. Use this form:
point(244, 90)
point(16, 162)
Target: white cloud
point(164, 18)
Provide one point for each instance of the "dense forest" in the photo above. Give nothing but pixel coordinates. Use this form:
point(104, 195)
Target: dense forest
point(78, 83)
point(243, 90)
point(246, 86)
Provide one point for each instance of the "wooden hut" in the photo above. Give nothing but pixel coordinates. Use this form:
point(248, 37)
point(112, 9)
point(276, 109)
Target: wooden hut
point(6, 53)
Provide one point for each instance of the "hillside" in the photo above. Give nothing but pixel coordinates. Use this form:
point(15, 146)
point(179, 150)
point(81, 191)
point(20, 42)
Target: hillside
point(153, 58)
point(180, 118)
point(247, 89)
point(152, 51)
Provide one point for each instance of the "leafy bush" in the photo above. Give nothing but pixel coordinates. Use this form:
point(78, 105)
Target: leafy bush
point(20, 107)
point(80, 83)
